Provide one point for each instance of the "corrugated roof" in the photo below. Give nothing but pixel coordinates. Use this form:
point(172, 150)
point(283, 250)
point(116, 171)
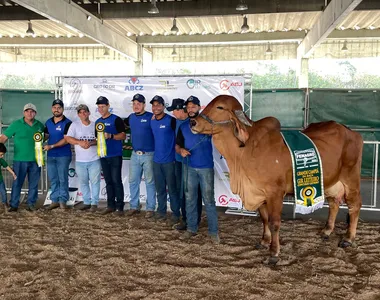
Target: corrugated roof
point(199, 25)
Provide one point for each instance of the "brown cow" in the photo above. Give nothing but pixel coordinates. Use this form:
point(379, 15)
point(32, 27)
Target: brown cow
point(261, 170)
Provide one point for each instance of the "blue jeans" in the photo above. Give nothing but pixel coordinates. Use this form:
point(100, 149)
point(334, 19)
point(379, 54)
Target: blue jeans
point(3, 192)
point(89, 172)
point(111, 167)
point(22, 168)
point(58, 173)
point(181, 193)
point(204, 177)
point(138, 165)
point(164, 175)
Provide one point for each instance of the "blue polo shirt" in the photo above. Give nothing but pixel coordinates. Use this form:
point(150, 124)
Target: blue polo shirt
point(141, 131)
point(178, 123)
point(164, 139)
point(56, 132)
point(199, 145)
point(114, 125)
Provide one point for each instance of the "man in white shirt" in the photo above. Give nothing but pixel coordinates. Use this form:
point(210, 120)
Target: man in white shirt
point(81, 134)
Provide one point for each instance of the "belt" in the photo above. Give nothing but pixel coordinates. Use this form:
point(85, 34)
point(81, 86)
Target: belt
point(140, 152)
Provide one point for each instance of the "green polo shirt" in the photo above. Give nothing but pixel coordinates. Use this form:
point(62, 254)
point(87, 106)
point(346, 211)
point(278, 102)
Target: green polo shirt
point(23, 138)
point(3, 164)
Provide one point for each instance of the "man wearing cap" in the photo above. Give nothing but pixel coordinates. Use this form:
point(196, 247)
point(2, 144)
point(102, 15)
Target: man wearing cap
point(58, 155)
point(24, 160)
point(196, 149)
point(81, 134)
point(163, 127)
point(112, 128)
point(142, 157)
point(179, 111)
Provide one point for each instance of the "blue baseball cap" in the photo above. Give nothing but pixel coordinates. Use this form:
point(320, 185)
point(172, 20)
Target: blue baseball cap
point(159, 99)
point(194, 100)
point(177, 103)
point(138, 97)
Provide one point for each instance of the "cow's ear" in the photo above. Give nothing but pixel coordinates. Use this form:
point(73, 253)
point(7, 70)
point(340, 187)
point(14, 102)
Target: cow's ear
point(240, 131)
point(242, 117)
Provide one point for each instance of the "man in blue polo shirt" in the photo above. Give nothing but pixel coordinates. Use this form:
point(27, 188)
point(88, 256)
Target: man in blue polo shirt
point(141, 158)
point(112, 127)
point(163, 128)
point(196, 149)
point(58, 155)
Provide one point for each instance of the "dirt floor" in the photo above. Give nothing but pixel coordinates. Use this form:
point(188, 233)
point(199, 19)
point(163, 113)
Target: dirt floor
point(76, 255)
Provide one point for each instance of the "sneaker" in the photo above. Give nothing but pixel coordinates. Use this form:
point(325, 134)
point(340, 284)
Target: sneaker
point(132, 212)
point(94, 208)
point(119, 213)
point(31, 208)
point(187, 235)
point(149, 214)
point(107, 211)
point(181, 226)
point(52, 206)
point(215, 238)
point(12, 209)
point(4, 206)
point(62, 205)
point(173, 220)
point(85, 207)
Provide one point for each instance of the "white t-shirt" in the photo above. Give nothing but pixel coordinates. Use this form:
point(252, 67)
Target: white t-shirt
point(84, 133)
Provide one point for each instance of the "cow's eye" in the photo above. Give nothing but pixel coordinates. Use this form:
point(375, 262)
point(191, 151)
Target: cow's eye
point(220, 107)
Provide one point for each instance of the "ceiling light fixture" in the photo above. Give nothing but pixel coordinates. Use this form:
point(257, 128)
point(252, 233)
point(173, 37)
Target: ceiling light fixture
point(174, 28)
point(244, 27)
point(30, 30)
point(241, 5)
point(174, 52)
point(153, 8)
point(344, 48)
point(88, 17)
point(269, 50)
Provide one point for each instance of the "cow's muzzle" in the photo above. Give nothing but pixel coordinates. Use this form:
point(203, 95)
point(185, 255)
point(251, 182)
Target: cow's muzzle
point(193, 122)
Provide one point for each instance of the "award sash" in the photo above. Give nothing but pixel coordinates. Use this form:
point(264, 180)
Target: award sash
point(38, 148)
point(101, 140)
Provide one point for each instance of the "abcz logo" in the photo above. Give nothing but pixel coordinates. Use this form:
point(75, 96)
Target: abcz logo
point(226, 84)
point(224, 200)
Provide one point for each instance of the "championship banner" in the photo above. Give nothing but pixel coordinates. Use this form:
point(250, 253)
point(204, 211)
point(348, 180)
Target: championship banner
point(120, 90)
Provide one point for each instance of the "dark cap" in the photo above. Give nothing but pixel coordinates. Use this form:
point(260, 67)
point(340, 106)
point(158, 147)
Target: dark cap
point(159, 99)
point(176, 104)
point(138, 97)
point(102, 100)
point(57, 101)
point(82, 106)
point(194, 100)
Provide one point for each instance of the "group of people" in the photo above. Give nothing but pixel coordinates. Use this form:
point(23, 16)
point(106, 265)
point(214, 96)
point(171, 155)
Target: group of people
point(165, 152)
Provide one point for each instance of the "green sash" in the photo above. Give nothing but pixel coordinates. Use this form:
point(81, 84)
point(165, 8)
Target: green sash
point(38, 149)
point(307, 172)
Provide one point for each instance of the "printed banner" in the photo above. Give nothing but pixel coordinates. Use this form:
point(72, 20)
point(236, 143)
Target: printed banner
point(120, 90)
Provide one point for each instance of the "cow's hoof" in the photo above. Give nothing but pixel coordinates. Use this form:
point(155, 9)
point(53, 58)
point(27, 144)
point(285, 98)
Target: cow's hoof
point(344, 244)
point(325, 237)
point(260, 246)
point(273, 260)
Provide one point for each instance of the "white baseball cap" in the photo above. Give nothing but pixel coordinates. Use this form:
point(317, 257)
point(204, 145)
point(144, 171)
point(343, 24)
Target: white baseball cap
point(30, 106)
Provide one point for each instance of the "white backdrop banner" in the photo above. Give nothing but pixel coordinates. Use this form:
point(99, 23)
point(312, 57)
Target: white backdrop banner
point(120, 90)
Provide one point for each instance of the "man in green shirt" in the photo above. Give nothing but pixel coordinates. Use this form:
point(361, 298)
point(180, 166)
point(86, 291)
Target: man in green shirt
point(24, 161)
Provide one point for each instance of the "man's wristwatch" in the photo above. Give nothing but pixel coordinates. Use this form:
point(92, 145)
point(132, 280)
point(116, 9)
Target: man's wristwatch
point(52, 146)
point(111, 136)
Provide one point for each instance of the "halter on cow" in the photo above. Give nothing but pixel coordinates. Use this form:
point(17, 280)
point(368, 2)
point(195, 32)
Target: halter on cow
point(261, 170)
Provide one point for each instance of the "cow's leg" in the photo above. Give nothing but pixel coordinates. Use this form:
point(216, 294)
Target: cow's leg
point(330, 224)
point(354, 203)
point(274, 210)
point(267, 237)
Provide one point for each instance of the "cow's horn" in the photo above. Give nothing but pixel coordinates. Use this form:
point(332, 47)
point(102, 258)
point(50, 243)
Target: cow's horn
point(242, 118)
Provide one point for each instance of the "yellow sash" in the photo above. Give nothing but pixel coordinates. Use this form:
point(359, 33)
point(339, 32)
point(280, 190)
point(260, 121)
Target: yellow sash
point(38, 148)
point(101, 140)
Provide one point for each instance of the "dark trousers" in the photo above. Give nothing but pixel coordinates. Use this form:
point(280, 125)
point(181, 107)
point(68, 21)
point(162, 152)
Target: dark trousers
point(181, 192)
point(111, 167)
